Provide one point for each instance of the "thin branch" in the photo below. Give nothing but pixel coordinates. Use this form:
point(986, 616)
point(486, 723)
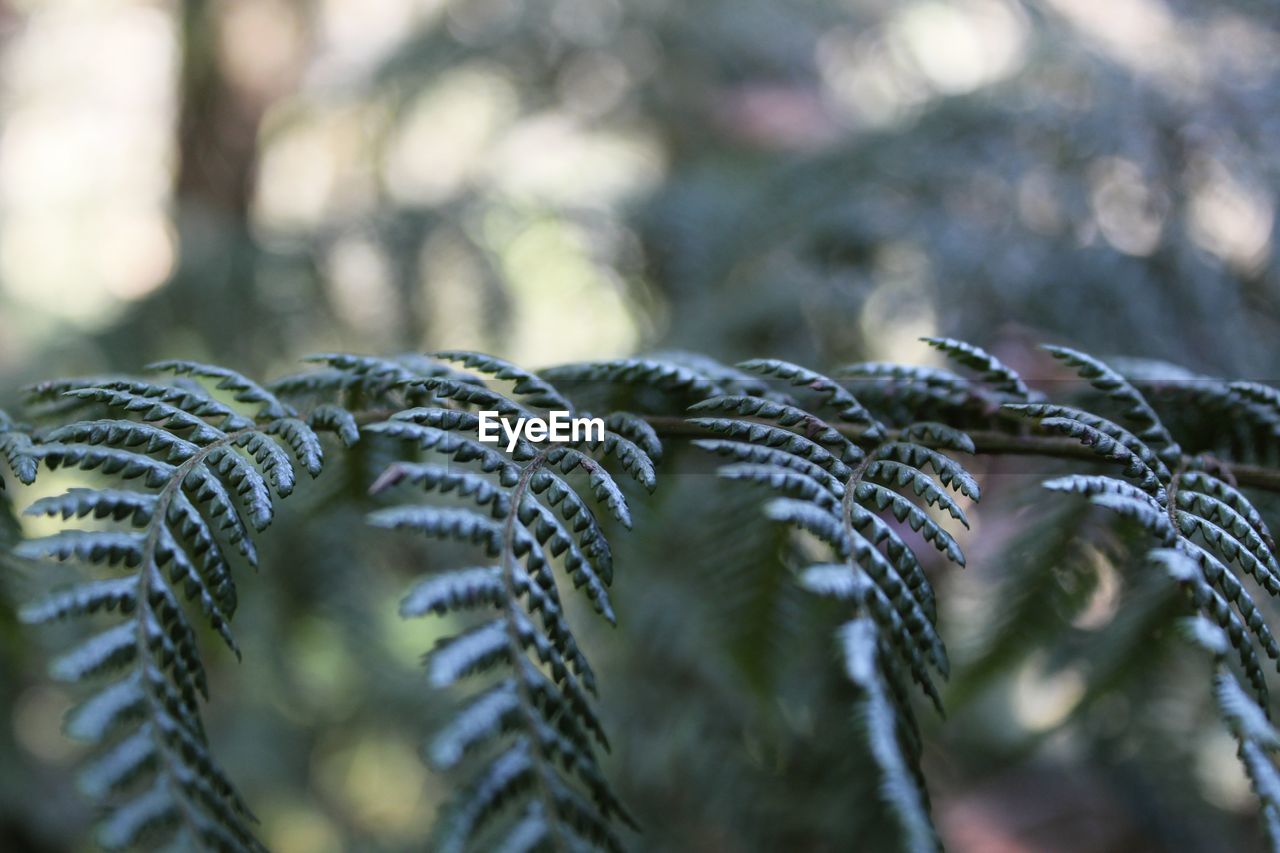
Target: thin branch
point(995, 443)
point(985, 442)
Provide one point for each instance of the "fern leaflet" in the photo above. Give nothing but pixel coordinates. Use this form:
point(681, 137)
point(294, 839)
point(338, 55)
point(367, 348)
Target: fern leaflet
point(532, 734)
point(1207, 533)
point(842, 471)
point(194, 478)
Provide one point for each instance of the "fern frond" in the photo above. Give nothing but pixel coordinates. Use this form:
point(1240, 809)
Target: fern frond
point(1133, 406)
point(1236, 420)
point(637, 430)
point(353, 382)
point(666, 376)
point(908, 395)
point(172, 407)
point(543, 787)
point(183, 455)
point(860, 463)
point(908, 391)
point(245, 389)
point(989, 368)
point(328, 417)
point(15, 447)
point(530, 386)
point(729, 378)
point(841, 475)
point(1248, 721)
point(1070, 415)
point(1206, 531)
point(900, 786)
point(845, 406)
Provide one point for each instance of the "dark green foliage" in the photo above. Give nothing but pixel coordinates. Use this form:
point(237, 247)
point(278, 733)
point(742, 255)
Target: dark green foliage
point(175, 476)
point(195, 476)
point(836, 477)
point(530, 737)
point(1209, 534)
point(664, 375)
point(810, 183)
point(358, 381)
point(923, 398)
point(989, 368)
point(15, 447)
point(841, 480)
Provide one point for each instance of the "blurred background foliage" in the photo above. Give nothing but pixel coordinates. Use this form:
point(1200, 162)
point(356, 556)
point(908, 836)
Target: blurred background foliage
point(245, 182)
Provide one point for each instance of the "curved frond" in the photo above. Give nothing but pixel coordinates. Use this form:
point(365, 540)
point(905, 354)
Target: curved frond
point(653, 373)
point(849, 480)
point(989, 368)
point(1133, 406)
point(15, 447)
point(189, 477)
point(529, 739)
point(1206, 532)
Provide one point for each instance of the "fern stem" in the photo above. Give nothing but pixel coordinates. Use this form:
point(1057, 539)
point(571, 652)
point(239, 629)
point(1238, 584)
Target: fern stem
point(517, 650)
point(158, 520)
point(846, 515)
point(985, 442)
point(1171, 494)
point(995, 443)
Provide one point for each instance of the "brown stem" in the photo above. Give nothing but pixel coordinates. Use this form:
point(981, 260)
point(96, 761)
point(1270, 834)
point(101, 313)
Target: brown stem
point(985, 442)
point(516, 647)
point(156, 527)
point(995, 443)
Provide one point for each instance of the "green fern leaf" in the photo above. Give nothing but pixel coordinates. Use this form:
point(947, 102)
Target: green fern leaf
point(991, 370)
point(523, 508)
point(1203, 527)
point(900, 785)
point(189, 454)
point(15, 447)
point(1134, 407)
point(840, 475)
